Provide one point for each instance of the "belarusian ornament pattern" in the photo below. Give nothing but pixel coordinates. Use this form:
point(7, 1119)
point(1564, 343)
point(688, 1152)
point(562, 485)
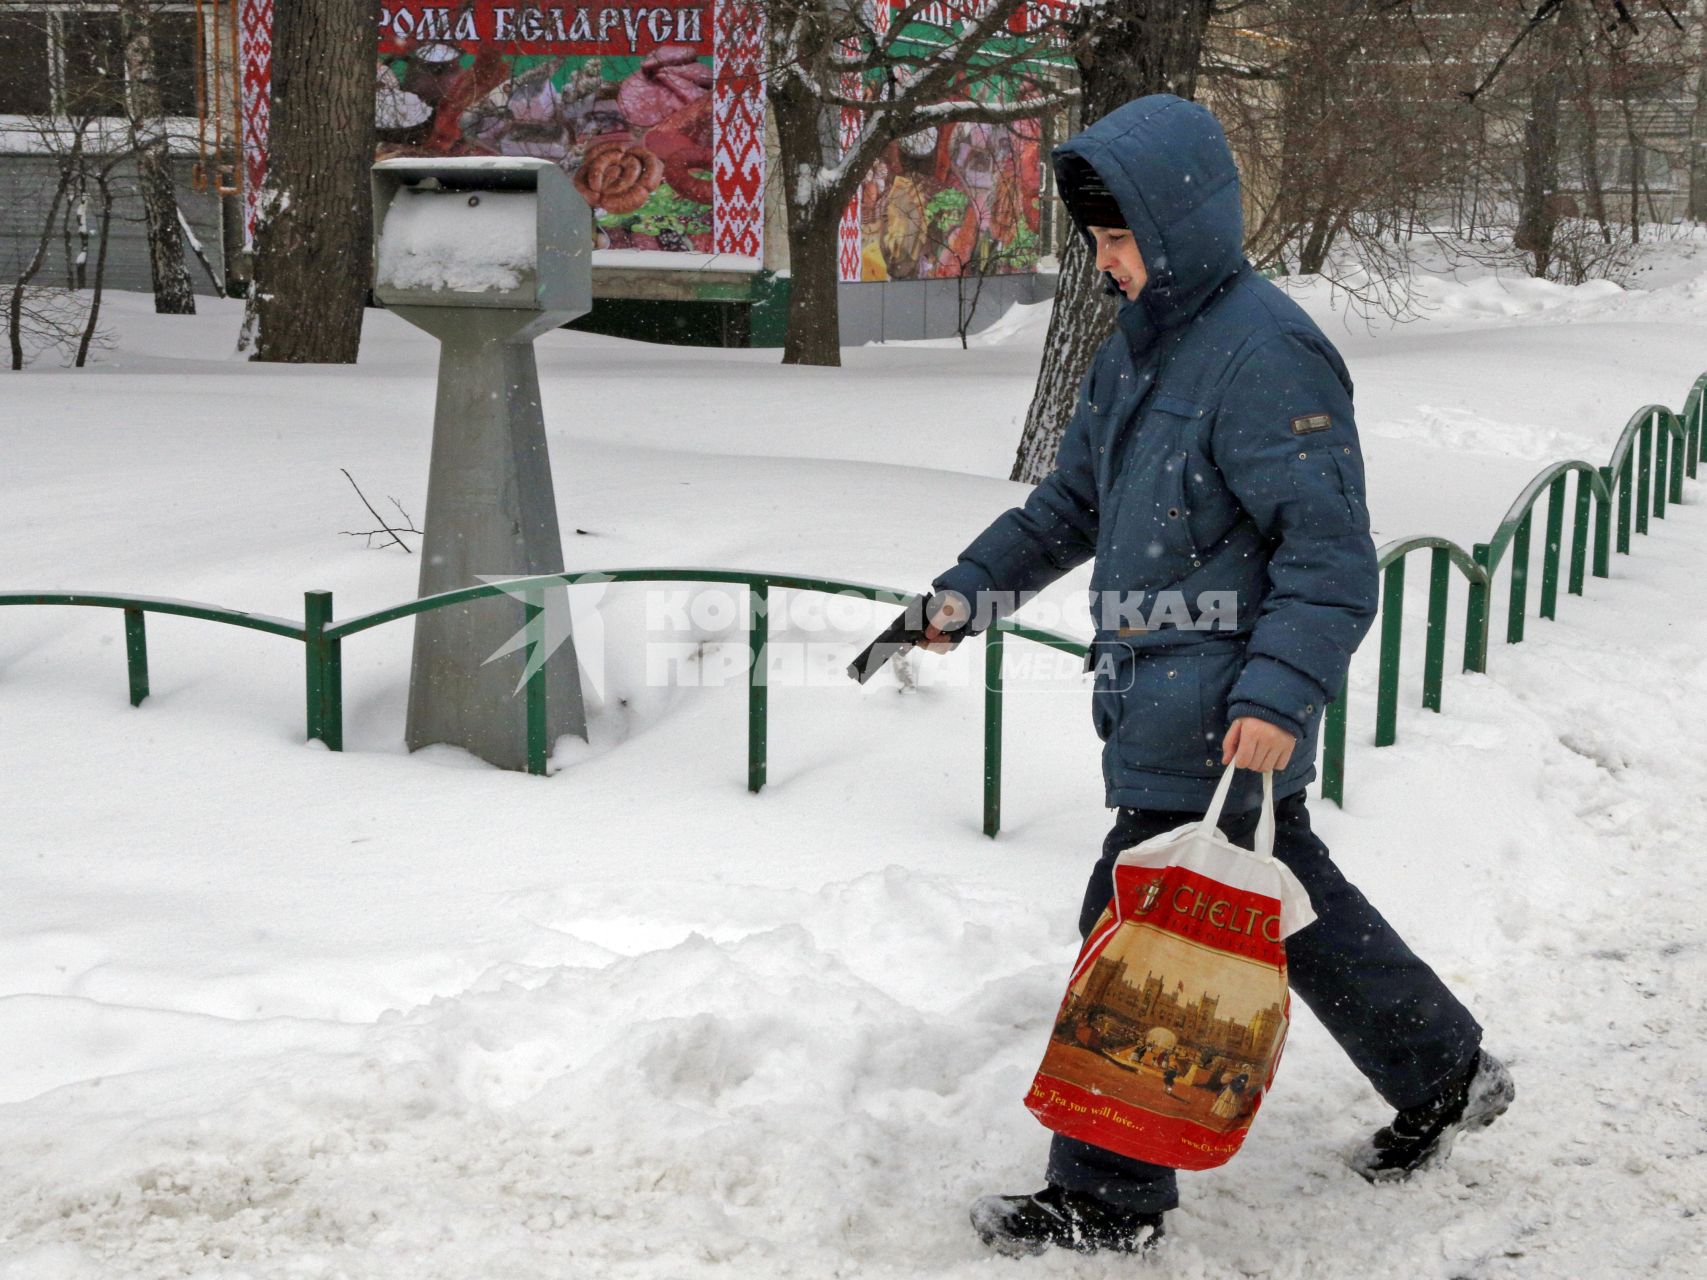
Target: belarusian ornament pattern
point(847, 236)
point(255, 39)
point(738, 129)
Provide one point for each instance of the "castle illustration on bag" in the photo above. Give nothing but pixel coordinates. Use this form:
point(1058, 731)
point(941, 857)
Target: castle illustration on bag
point(1172, 1024)
point(1115, 1009)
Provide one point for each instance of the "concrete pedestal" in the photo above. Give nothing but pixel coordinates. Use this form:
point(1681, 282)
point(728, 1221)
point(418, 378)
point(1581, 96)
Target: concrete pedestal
point(490, 511)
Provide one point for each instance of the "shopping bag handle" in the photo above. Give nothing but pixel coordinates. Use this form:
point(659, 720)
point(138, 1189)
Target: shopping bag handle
point(1263, 845)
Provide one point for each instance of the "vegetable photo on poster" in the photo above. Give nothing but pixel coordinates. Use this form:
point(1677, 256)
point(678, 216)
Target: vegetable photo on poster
point(618, 96)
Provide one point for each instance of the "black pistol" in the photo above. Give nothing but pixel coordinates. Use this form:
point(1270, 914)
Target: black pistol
point(906, 631)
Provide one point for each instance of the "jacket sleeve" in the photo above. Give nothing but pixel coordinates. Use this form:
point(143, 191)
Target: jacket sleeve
point(1030, 546)
point(1286, 442)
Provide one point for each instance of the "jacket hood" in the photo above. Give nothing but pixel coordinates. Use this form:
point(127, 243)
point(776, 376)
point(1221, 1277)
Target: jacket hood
point(1167, 163)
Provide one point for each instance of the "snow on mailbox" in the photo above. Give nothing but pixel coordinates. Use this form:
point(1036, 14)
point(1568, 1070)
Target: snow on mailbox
point(479, 231)
point(485, 254)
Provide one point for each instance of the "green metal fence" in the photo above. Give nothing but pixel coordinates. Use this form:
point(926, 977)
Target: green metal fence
point(323, 638)
point(1655, 452)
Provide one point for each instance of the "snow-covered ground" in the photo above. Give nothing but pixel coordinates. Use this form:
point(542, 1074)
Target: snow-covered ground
point(269, 1011)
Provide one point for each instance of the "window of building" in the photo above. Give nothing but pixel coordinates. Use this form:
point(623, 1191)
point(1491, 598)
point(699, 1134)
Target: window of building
point(175, 62)
point(69, 60)
point(94, 65)
point(26, 82)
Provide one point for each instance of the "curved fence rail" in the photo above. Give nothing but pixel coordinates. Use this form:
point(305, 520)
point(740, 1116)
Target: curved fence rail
point(136, 608)
point(1649, 462)
point(1655, 452)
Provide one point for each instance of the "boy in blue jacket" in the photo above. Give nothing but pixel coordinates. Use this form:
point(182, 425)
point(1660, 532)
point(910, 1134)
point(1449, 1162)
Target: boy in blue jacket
point(1212, 468)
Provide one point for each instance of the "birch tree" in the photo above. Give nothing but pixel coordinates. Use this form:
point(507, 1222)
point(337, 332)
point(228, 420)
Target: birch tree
point(152, 146)
point(1124, 49)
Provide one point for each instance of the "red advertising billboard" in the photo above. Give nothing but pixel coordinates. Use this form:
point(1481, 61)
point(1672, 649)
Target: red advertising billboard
point(632, 101)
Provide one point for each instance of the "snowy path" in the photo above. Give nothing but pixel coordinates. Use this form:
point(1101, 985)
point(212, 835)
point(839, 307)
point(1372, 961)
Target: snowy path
point(270, 1012)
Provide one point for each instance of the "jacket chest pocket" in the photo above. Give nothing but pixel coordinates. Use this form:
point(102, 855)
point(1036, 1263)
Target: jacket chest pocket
point(1160, 510)
point(1174, 505)
point(1114, 401)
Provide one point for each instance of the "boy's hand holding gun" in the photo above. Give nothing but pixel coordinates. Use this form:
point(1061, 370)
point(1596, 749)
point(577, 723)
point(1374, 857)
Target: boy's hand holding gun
point(935, 623)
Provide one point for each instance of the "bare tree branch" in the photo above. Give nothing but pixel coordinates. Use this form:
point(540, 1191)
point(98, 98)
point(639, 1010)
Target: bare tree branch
point(1546, 10)
point(383, 527)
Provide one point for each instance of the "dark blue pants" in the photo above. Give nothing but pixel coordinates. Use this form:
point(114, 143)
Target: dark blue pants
point(1394, 1018)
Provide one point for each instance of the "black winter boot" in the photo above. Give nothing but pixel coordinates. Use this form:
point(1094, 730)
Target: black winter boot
point(1419, 1134)
point(1017, 1225)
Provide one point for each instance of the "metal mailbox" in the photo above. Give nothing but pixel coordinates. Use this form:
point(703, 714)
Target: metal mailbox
point(485, 254)
point(481, 231)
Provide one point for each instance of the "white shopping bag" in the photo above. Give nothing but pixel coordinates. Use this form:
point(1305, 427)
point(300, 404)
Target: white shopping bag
point(1177, 1009)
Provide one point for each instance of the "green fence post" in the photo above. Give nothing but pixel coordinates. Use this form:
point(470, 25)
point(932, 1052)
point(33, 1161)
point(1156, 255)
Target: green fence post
point(1603, 527)
point(758, 682)
point(325, 672)
point(993, 730)
point(1434, 643)
point(1692, 434)
point(1626, 482)
point(1579, 535)
point(1392, 627)
point(314, 609)
point(1678, 453)
point(1476, 613)
point(136, 655)
point(1519, 579)
point(1662, 466)
point(533, 613)
point(1644, 473)
point(1333, 747)
point(1701, 427)
point(1550, 554)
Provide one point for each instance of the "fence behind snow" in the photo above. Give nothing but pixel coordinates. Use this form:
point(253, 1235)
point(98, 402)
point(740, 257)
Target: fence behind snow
point(1655, 452)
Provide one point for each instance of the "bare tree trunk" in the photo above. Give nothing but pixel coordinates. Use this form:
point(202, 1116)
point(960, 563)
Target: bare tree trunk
point(1698, 129)
point(814, 231)
point(1480, 163)
point(76, 209)
point(1324, 228)
point(196, 248)
point(968, 307)
point(1538, 208)
point(1635, 141)
point(1136, 47)
point(313, 256)
point(814, 312)
point(92, 323)
point(172, 293)
point(15, 311)
point(1313, 253)
point(1591, 165)
point(1078, 322)
point(234, 252)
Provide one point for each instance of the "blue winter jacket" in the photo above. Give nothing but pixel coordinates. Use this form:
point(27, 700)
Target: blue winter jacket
point(1212, 451)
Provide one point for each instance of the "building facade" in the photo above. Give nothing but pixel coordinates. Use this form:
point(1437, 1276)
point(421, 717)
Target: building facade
point(657, 112)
